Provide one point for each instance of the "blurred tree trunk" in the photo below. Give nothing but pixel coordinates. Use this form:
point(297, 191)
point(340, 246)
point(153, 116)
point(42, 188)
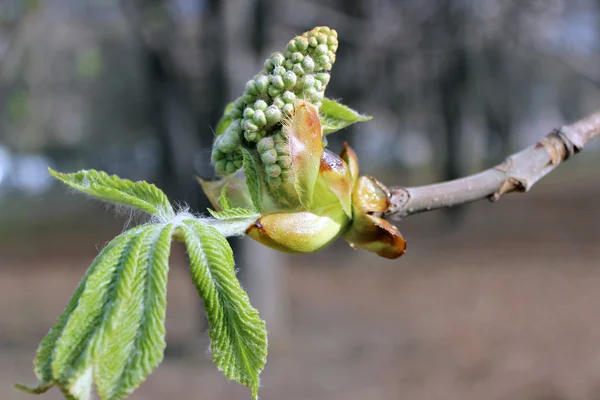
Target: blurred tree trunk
point(171, 110)
point(451, 84)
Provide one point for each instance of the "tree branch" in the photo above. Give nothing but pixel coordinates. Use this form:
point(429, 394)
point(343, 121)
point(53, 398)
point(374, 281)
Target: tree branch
point(518, 173)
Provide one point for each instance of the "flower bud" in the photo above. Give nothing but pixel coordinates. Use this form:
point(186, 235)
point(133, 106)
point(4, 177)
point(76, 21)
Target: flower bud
point(308, 64)
point(278, 102)
point(217, 154)
point(297, 57)
point(322, 61)
point(298, 70)
point(312, 41)
point(248, 113)
point(235, 113)
point(321, 49)
point(288, 97)
point(277, 82)
point(277, 59)
point(262, 84)
point(220, 167)
point(239, 103)
point(308, 82)
point(274, 180)
point(248, 97)
point(273, 170)
point(273, 115)
point(321, 38)
point(265, 144)
point(279, 70)
point(251, 87)
point(249, 126)
point(289, 64)
point(259, 118)
point(230, 168)
point(260, 105)
point(288, 109)
point(273, 91)
point(301, 43)
point(318, 86)
point(291, 46)
point(323, 77)
point(289, 79)
point(269, 157)
point(284, 161)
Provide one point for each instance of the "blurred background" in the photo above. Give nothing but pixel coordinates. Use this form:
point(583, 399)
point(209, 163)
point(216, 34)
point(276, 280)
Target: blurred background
point(490, 302)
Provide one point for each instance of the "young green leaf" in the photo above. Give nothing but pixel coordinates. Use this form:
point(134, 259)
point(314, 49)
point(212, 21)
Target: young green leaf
point(238, 335)
point(335, 116)
point(112, 331)
point(223, 200)
point(142, 195)
point(234, 213)
point(253, 179)
point(225, 120)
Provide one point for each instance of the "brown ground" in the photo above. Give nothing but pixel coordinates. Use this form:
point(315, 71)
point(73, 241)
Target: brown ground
point(505, 307)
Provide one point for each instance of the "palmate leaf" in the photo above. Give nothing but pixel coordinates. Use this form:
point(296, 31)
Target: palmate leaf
point(112, 331)
point(335, 116)
point(142, 195)
point(238, 335)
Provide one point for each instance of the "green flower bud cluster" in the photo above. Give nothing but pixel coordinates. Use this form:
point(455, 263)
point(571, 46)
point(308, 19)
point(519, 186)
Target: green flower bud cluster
point(301, 72)
point(275, 156)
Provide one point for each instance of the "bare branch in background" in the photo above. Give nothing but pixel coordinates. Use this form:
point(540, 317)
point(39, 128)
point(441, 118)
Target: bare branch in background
point(518, 173)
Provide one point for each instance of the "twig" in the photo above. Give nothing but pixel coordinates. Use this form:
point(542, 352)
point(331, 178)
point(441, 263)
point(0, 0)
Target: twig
point(518, 173)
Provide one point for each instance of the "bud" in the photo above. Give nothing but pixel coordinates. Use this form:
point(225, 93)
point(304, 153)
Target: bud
point(239, 103)
point(262, 84)
point(288, 109)
point(277, 59)
point(260, 105)
point(273, 91)
point(368, 231)
point(370, 195)
point(273, 115)
point(265, 144)
point(308, 82)
point(351, 159)
point(248, 113)
point(308, 64)
point(259, 118)
point(273, 170)
point(323, 77)
point(278, 102)
point(289, 79)
point(251, 87)
point(301, 43)
point(375, 235)
point(297, 57)
point(288, 97)
point(298, 69)
point(298, 232)
point(269, 157)
point(277, 82)
point(321, 49)
point(221, 167)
